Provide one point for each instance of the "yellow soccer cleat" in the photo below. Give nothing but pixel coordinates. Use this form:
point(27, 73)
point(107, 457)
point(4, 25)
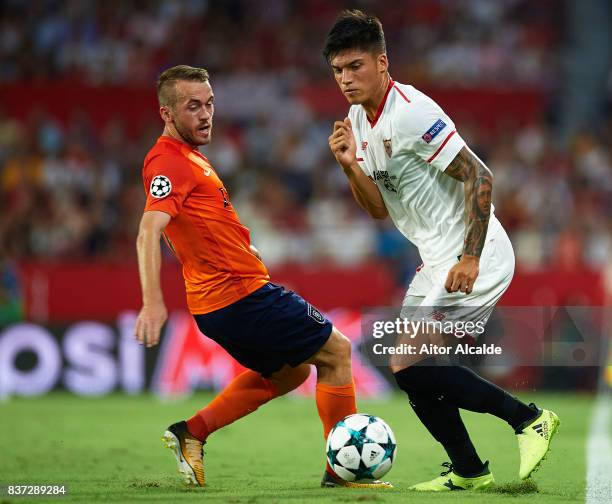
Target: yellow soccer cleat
point(188, 452)
point(534, 441)
point(449, 480)
point(331, 481)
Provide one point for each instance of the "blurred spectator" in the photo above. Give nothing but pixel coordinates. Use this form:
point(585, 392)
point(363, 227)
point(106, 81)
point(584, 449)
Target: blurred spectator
point(11, 309)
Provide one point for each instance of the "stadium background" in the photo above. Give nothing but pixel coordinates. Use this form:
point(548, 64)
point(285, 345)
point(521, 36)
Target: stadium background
point(527, 83)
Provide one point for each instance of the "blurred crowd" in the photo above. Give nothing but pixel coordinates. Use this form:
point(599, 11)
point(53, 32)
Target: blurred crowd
point(70, 193)
point(131, 41)
point(73, 190)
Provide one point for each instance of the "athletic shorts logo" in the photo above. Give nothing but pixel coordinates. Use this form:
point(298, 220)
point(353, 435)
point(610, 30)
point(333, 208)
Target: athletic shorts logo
point(160, 186)
point(315, 314)
point(432, 133)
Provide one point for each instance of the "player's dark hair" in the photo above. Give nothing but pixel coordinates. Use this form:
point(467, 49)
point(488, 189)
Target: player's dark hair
point(166, 95)
point(354, 29)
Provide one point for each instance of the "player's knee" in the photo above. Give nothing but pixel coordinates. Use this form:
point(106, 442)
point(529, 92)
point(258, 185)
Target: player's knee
point(333, 361)
point(396, 368)
point(417, 377)
point(335, 353)
point(301, 374)
point(401, 367)
point(342, 349)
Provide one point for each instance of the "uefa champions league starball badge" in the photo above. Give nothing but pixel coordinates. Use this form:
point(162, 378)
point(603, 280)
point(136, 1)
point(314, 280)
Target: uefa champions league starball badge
point(160, 186)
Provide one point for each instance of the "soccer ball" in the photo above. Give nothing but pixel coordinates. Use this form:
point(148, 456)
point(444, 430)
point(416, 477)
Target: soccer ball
point(361, 447)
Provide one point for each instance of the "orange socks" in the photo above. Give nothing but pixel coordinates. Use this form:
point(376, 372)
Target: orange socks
point(247, 392)
point(334, 403)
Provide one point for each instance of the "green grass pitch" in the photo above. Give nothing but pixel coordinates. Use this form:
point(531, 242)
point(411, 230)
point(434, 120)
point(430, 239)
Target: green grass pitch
point(109, 449)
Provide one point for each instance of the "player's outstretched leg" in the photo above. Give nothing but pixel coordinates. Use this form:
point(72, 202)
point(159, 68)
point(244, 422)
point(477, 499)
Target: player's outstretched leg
point(242, 396)
point(465, 389)
point(335, 397)
point(534, 439)
point(533, 427)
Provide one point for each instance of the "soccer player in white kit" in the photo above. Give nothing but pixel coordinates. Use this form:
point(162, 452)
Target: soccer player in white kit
point(405, 159)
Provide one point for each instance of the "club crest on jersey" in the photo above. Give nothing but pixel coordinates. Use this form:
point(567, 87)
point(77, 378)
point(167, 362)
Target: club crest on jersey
point(387, 144)
point(315, 314)
point(364, 145)
point(432, 133)
point(160, 186)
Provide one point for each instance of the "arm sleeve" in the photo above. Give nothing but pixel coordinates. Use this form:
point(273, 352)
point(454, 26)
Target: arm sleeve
point(168, 180)
point(430, 133)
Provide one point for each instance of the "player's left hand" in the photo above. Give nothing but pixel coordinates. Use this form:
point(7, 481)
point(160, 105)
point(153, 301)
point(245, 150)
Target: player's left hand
point(461, 276)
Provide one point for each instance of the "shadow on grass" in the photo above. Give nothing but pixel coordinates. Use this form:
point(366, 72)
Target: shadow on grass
point(514, 488)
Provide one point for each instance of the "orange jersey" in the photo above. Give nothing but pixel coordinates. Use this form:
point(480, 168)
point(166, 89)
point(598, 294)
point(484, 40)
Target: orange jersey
point(204, 233)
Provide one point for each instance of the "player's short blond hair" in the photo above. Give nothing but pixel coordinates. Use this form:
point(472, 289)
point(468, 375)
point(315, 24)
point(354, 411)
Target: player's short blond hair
point(166, 83)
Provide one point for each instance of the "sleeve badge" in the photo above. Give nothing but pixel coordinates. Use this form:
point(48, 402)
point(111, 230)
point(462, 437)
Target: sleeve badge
point(160, 186)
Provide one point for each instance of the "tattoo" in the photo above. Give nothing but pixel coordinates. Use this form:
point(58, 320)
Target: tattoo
point(478, 183)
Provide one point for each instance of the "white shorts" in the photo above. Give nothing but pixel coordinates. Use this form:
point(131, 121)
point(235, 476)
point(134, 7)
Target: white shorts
point(426, 296)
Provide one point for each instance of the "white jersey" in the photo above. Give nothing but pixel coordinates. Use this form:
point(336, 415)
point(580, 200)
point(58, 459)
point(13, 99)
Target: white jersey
point(405, 150)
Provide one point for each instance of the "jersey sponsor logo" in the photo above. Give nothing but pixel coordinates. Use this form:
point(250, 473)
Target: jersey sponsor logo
point(388, 149)
point(160, 186)
point(386, 179)
point(364, 145)
point(432, 133)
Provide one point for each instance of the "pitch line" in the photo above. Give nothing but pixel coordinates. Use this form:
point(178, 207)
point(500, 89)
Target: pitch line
point(599, 452)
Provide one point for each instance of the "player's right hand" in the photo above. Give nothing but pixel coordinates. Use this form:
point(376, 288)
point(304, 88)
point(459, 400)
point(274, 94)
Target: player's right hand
point(342, 143)
point(149, 323)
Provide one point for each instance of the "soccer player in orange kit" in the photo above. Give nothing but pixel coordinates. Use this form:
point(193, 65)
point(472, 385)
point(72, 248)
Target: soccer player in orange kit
point(273, 332)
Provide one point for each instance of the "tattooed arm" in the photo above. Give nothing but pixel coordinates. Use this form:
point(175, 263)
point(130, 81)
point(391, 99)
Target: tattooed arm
point(478, 183)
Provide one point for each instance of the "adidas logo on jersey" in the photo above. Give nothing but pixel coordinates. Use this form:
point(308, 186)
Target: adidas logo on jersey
point(541, 429)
